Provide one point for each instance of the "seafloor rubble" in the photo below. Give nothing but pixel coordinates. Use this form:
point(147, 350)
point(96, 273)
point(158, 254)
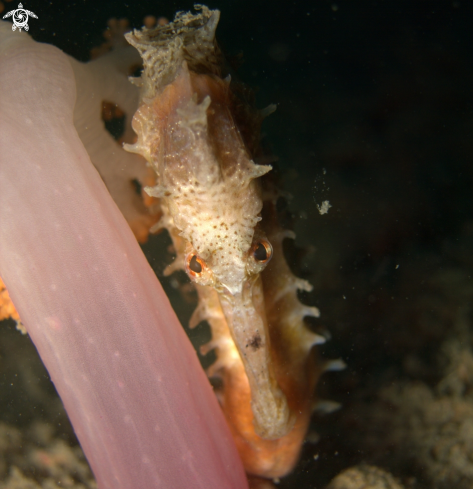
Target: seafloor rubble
point(32, 459)
point(374, 114)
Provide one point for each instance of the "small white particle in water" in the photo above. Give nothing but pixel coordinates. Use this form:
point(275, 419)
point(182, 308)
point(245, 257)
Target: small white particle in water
point(324, 207)
point(343, 296)
point(397, 266)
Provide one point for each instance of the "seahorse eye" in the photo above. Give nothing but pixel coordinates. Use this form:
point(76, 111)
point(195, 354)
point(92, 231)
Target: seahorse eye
point(262, 251)
point(195, 265)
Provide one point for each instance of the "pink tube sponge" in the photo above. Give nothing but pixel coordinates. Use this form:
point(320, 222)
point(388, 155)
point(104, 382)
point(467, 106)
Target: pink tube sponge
point(131, 383)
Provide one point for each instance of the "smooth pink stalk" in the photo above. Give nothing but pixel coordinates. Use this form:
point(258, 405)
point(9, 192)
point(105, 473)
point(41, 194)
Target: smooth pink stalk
point(129, 378)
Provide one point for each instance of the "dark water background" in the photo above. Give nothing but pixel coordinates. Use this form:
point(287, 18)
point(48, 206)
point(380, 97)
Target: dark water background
point(375, 115)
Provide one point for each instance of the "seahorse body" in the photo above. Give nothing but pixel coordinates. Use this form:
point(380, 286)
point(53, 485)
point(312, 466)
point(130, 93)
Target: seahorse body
point(200, 138)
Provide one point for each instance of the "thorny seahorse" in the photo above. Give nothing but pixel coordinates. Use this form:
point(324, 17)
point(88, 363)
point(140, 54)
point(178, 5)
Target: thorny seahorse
point(201, 137)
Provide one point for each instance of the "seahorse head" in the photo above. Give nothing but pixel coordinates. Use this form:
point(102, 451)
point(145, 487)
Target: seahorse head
point(206, 180)
point(208, 188)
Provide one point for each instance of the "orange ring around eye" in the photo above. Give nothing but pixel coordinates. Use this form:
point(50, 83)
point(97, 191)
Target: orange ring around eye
point(194, 265)
point(262, 251)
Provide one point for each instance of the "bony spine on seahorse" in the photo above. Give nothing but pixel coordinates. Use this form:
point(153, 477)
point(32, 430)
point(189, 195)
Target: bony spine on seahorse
point(200, 137)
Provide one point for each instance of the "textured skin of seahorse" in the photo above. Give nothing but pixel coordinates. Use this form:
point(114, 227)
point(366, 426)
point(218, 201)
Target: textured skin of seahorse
point(200, 139)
